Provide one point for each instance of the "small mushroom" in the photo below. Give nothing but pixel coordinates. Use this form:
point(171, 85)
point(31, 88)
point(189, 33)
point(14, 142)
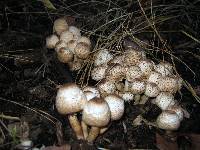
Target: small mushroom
point(164, 68)
point(66, 36)
point(146, 66)
point(76, 32)
point(168, 84)
point(51, 41)
point(76, 64)
point(96, 113)
point(65, 55)
point(133, 72)
point(168, 120)
point(132, 57)
point(165, 100)
point(106, 87)
point(98, 72)
point(60, 25)
point(102, 57)
point(70, 99)
point(82, 50)
point(154, 77)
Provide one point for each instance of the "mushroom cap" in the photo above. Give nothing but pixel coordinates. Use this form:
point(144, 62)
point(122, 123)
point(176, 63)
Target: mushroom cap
point(115, 72)
point(146, 66)
point(168, 120)
point(59, 45)
point(102, 57)
point(165, 68)
point(76, 32)
point(133, 72)
point(92, 89)
point(71, 45)
point(70, 99)
point(66, 36)
point(96, 112)
point(106, 87)
point(51, 41)
point(119, 59)
point(76, 64)
point(60, 25)
point(168, 84)
point(126, 96)
point(82, 50)
point(137, 86)
point(151, 90)
point(165, 100)
point(132, 57)
point(89, 95)
point(64, 55)
point(178, 110)
point(84, 39)
point(98, 72)
point(154, 77)
point(116, 105)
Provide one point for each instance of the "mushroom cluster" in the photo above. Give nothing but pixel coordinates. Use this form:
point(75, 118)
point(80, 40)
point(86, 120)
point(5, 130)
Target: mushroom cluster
point(121, 78)
point(70, 46)
point(97, 112)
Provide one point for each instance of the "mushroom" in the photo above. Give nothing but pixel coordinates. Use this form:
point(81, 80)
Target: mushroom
point(151, 90)
point(70, 99)
point(165, 100)
point(154, 77)
point(178, 110)
point(82, 50)
point(102, 57)
point(168, 84)
point(106, 87)
point(51, 41)
point(132, 56)
point(168, 120)
point(92, 89)
point(126, 96)
point(133, 72)
point(76, 64)
point(60, 25)
point(115, 72)
point(146, 66)
point(164, 68)
point(96, 113)
point(66, 36)
point(64, 55)
point(76, 32)
point(98, 72)
point(59, 45)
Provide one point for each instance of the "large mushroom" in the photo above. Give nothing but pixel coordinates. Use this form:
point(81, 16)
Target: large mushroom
point(70, 99)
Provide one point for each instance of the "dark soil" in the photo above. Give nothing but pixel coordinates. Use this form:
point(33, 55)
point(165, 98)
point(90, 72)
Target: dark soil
point(29, 74)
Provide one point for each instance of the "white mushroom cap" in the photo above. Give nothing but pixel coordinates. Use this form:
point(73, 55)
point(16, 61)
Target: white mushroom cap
point(51, 41)
point(165, 68)
point(70, 99)
point(76, 32)
point(133, 72)
point(146, 66)
point(168, 84)
point(168, 120)
point(64, 55)
point(116, 105)
point(106, 87)
point(115, 72)
point(59, 45)
point(93, 90)
point(165, 100)
point(151, 90)
point(126, 96)
point(60, 25)
point(132, 57)
point(154, 77)
point(82, 50)
point(137, 86)
point(102, 57)
point(76, 64)
point(66, 36)
point(98, 72)
point(85, 40)
point(178, 110)
point(89, 95)
point(96, 113)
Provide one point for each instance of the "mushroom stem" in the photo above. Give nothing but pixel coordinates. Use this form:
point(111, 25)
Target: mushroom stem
point(143, 99)
point(103, 130)
point(76, 126)
point(85, 129)
point(94, 132)
point(137, 99)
